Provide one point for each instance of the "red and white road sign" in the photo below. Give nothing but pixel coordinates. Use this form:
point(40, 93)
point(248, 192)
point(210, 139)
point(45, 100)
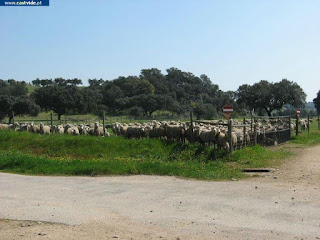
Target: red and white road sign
point(227, 109)
point(298, 113)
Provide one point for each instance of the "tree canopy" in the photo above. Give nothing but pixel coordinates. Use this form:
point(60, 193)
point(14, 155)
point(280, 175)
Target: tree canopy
point(266, 96)
point(14, 98)
point(175, 91)
point(317, 102)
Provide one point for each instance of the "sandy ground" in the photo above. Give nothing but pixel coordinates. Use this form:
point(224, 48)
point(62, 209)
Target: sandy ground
point(284, 204)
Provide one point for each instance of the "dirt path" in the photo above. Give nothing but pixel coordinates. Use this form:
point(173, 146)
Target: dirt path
point(282, 205)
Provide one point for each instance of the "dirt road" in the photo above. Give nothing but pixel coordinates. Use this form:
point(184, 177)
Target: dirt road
point(282, 205)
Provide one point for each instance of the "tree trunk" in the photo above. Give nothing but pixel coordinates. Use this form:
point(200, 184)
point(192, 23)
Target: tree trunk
point(59, 116)
point(268, 111)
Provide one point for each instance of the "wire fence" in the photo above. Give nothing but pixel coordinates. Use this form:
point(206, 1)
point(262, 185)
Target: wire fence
point(46, 118)
point(265, 131)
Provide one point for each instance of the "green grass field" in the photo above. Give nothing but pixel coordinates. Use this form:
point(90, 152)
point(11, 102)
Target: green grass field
point(27, 153)
point(310, 139)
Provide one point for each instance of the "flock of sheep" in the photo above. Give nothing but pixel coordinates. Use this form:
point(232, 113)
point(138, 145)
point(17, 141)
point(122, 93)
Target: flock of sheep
point(212, 133)
point(176, 131)
point(91, 129)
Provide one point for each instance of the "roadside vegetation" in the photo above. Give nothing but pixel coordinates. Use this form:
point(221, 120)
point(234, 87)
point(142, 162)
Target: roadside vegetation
point(305, 139)
point(26, 153)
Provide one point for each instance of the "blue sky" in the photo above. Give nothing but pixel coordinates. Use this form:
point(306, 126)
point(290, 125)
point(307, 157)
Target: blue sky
point(233, 42)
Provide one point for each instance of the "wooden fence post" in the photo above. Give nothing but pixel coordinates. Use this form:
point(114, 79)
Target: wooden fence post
point(191, 126)
point(308, 123)
point(318, 121)
point(51, 121)
point(297, 125)
point(255, 132)
point(230, 135)
point(244, 132)
point(104, 123)
point(289, 127)
point(251, 122)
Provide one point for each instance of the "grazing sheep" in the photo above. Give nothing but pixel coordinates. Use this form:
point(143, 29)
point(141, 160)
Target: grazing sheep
point(98, 130)
point(189, 133)
point(134, 132)
point(115, 127)
point(83, 130)
point(4, 126)
point(123, 129)
point(25, 127)
point(196, 133)
point(44, 129)
point(222, 140)
point(234, 139)
point(157, 132)
point(90, 131)
point(15, 126)
point(176, 132)
point(208, 136)
point(146, 131)
point(34, 128)
point(304, 125)
point(75, 131)
point(60, 129)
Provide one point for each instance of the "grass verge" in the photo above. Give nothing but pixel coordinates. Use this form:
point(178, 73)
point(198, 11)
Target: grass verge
point(311, 139)
point(26, 153)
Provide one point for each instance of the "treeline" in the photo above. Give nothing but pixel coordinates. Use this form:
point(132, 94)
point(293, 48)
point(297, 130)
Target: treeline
point(14, 98)
point(176, 91)
point(140, 95)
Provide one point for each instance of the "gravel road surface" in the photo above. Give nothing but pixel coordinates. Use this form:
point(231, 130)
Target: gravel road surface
point(284, 204)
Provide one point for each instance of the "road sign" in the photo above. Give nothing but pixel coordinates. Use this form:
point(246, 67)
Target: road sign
point(298, 113)
point(227, 109)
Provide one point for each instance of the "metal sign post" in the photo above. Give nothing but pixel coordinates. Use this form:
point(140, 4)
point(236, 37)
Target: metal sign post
point(297, 121)
point(227, 109)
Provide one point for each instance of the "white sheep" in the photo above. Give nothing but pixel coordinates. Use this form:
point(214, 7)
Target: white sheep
point(222, 140)
point(4, 126)
point(208, 136)
point(35, 128)
point(60, 129)
point(44, 129)
point(234, 140)
point(98, 130)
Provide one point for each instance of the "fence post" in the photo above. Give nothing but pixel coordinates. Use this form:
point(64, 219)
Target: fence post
point(244, 132)
point(104, 123)
point(255, 132)
point(12, 117)
point(289, 127)
point(297, 125)
point(51, 121)
point(318, 121)
point(230, 135)
point(251, 122)
point(308, 123)
point(191, 126)
point(191, 120)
